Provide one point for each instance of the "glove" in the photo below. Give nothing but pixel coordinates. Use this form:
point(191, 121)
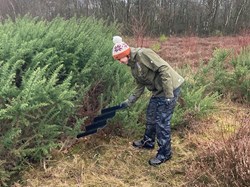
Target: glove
point(129, 101)
point(169, 100)
point(125, 104)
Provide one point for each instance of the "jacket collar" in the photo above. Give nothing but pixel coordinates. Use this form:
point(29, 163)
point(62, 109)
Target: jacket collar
point(133, 54)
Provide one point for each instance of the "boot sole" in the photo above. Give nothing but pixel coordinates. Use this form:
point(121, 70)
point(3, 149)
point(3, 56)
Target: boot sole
point(142, 147)
point(157, 164)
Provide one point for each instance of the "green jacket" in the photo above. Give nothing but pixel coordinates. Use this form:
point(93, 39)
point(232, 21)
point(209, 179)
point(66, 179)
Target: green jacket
point(152, 72)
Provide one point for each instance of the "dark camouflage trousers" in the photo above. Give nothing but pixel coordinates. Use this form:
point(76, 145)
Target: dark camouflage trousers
point(159, 114)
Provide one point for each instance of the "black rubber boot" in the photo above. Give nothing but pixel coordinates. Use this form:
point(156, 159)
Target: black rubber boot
point(155, 161)
point(143, 144)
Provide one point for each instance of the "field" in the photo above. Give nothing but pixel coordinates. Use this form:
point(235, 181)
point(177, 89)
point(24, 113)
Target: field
point(110, 160)
point(191, 50)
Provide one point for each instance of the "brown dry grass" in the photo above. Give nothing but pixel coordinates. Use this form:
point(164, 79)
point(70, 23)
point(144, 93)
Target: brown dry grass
point(112, 161)
point(192, 50)
point(223, 150)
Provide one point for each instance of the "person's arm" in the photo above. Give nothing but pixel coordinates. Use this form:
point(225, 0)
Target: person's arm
point(138, 92)
point(135, 96)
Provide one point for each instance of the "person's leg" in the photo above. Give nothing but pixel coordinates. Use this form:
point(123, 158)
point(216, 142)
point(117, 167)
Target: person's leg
point(150, 131)
point(163, 128)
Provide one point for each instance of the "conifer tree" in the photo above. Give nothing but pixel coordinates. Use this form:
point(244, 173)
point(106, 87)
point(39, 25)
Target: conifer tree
point(45, 70)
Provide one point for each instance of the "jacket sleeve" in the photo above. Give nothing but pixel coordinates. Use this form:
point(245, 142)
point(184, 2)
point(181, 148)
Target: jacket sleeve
point(137, 93)
point(167, 83)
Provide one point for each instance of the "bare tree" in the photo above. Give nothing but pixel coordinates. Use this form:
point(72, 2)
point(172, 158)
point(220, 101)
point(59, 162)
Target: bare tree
point(145, 16)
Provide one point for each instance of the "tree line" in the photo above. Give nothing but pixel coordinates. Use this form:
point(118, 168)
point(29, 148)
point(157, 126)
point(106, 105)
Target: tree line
point(144, 17)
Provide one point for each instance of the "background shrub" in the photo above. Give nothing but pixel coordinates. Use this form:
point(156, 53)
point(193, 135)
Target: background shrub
point(195, 101)
point(227, 76)
point(221, 77)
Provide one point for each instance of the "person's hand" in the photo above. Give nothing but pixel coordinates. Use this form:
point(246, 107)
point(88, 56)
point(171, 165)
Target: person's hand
point(125, 104)
point(128, 102)
point(169, 100)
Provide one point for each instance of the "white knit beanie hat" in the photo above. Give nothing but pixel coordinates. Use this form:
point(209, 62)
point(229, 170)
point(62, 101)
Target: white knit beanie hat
point(120, 49)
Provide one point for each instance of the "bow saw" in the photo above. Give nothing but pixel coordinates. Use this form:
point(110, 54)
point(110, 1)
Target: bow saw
point(101, 120)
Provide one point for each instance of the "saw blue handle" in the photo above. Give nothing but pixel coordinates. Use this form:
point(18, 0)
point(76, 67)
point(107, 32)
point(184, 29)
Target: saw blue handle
point(114, 108)
point(104, 116)
point(101, 120)
point(96, 125)
point(86, 133)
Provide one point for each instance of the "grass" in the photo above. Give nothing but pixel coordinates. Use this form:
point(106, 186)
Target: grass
point(112, 162)
point(100, 160)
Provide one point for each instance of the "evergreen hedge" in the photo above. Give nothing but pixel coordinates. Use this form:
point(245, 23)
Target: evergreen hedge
point(46, 68)
point(230, 77)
